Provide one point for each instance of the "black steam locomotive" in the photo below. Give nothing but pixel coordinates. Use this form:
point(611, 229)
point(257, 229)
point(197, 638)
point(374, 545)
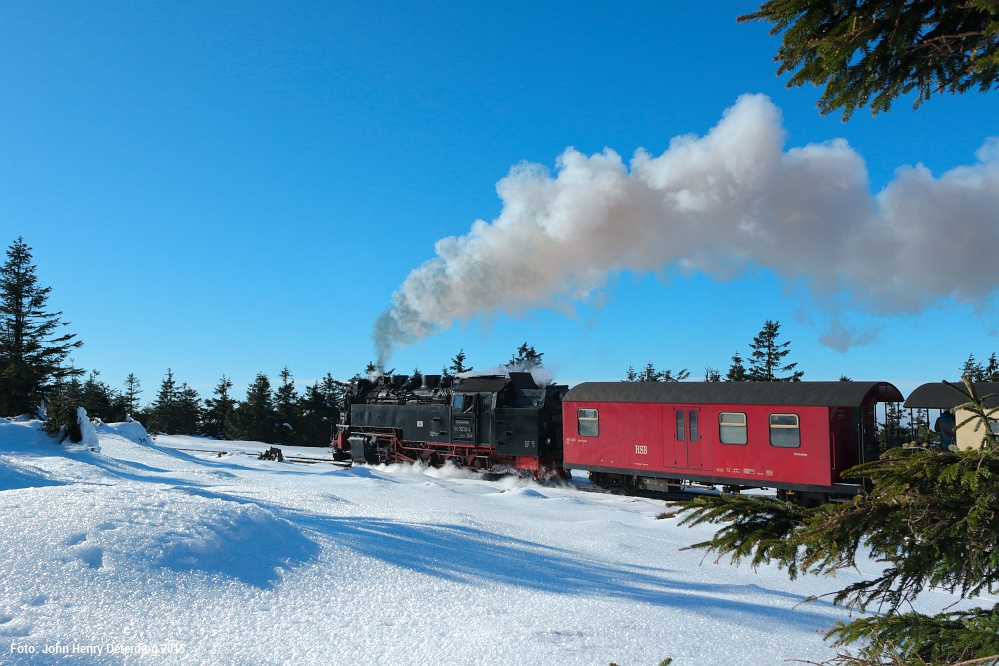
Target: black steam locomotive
point(489, 423)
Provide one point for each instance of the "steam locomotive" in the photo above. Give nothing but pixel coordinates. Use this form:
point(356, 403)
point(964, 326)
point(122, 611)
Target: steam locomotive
point(490, 423)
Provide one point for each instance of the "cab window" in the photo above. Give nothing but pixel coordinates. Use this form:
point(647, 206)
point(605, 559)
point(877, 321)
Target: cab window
point(462, 402)
point(732, 428)
point(784, 431)
point(588, 422)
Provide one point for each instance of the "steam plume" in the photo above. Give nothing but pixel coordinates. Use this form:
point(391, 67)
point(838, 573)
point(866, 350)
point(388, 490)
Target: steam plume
point(730, 200)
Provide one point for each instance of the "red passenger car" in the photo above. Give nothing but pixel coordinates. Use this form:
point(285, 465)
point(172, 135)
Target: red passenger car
point(796, 437)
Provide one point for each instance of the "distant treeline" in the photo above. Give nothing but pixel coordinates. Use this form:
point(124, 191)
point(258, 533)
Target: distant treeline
point(766, 364)
point(273, 415)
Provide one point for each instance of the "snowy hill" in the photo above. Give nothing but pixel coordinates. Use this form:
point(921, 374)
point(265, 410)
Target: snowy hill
point(167, 546)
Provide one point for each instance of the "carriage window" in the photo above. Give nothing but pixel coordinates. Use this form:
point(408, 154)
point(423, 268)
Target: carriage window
point(784, 431)
point(732, 428)
point(588, 422)
point(693, 426)
point(679, 424)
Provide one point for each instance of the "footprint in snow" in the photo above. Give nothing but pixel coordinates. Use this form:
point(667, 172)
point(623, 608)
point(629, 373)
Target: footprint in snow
point(107, 526)
point(92, 557)
point(77, 538)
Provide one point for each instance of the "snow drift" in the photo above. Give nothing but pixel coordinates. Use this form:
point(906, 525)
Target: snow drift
point(720, 204)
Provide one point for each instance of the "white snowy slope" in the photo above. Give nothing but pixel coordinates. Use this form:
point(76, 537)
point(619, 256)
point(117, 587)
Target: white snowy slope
point(233, 560)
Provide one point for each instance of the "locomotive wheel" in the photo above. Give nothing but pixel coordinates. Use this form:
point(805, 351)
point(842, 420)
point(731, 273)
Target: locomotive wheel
point(629, 483)
point(433, 460)
point(600, 480)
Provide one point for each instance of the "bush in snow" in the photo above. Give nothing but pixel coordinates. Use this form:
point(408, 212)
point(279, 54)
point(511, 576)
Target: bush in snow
point(61, 409)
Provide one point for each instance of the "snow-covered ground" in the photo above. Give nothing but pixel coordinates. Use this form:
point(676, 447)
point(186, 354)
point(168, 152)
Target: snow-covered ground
point(200, 559)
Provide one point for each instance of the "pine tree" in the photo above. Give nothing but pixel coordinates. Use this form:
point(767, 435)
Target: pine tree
point(101, 401)
point(31, 355)
point(525, 355)
point(980, 372)
point(650, 374)
point(286, 408)
point(163, 410)
point(872, 51)
point(254, 418)
point(132, 391)
point(320, 413)
point(990, 373)
point(767, 356)
point(972, 369)
point(930, 519)
point(457, 366)
point(187, 412)
point(737, 371)
point(217, 418)
point(711, 375)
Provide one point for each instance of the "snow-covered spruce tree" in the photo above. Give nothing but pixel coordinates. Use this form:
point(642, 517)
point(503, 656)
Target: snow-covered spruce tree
point(60, 410)
point(31, 354)
point(931, 517)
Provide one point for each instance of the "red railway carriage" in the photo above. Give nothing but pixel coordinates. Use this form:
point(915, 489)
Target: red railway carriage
point(796, 437)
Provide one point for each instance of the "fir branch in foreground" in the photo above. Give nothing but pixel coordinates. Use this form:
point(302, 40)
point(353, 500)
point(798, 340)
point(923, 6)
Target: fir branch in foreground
point(933, 520)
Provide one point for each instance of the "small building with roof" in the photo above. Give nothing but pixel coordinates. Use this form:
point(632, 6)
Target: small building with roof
point(941, 397)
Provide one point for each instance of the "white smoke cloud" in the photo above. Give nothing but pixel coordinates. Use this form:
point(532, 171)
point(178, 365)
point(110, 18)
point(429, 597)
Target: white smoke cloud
point(720, 204)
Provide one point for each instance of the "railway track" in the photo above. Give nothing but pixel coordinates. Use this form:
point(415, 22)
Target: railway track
point(681, 496)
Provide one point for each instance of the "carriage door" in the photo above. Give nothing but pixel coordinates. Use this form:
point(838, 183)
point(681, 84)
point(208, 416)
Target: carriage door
point(675, 427)
point(695, 459)
point(685, 427)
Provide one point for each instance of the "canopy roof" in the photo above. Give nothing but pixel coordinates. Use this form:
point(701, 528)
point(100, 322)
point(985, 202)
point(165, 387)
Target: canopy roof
point(495, 383)
point(938, 395)
point(840, 394)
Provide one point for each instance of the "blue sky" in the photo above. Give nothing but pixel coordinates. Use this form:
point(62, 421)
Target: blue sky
point(235, 187)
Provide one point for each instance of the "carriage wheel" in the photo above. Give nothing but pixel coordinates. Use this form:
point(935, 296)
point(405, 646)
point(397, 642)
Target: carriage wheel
point(600, 480)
